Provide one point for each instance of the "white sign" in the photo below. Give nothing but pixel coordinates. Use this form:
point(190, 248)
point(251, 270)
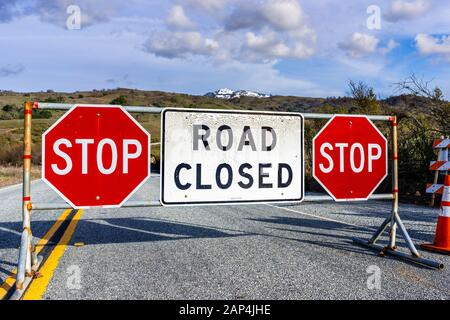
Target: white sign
point(224, 157)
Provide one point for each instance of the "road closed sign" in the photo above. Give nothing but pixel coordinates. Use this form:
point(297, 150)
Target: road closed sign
point(96, 156)
point(226, 157)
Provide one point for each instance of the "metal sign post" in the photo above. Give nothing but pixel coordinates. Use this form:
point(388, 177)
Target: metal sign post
point(28, 262)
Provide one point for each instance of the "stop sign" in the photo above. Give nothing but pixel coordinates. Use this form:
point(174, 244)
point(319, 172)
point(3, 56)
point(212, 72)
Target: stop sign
point(96, 156)
point(350, 157)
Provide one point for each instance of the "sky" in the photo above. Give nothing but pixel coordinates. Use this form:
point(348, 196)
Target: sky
point(281, 47)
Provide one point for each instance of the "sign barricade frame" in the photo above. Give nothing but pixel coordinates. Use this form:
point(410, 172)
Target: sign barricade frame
point(28, 261)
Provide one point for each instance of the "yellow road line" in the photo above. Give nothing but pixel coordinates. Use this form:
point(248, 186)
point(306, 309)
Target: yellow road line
point(7, 285)
point(11, 280)
point(41, 244)
point(37, 288)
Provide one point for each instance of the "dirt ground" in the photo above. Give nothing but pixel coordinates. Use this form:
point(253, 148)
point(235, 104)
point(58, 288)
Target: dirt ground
point(13, 175)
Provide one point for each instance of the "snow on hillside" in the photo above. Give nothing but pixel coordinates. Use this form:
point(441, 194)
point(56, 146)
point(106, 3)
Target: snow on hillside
point(226, 93)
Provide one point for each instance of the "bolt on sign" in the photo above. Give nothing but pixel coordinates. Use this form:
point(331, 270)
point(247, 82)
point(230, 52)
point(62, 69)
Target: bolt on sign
point(350, 157)
point(96, 156)
point(225, 157)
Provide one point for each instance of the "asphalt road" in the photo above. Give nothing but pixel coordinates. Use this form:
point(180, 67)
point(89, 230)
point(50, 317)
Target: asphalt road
point(225, 252)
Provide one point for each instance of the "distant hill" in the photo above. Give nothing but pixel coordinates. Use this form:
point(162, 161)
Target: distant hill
point(134, 97)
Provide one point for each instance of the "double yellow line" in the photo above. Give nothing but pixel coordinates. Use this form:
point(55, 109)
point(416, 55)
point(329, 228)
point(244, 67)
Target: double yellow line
point(38, 286)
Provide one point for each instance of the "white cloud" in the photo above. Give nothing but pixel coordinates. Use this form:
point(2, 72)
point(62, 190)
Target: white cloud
point(181, 45)
point(407, 10)
point(429, 45)
point(280, 15)
point(360, 45)
point(265, 78)
point(283, 14)
point(253, 31)
point(244, 16)
point(207, 5)
point(177, 19)
point(391, 45)
point(263, 47)
point(92, 12)
point(304, 33)
point(11, 70)
point(269, 47)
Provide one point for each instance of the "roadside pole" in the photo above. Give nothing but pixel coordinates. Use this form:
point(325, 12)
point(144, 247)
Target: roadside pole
point(393, 232)
point(28, 262)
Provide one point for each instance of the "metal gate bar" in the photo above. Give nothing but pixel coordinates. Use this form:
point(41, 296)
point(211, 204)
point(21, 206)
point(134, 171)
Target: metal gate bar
point(157, 110)
point(134, 204)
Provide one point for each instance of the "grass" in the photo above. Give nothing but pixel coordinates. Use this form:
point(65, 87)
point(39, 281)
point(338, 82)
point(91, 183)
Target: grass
point(13, 175)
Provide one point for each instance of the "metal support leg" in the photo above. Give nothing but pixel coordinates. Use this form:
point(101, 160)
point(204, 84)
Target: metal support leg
point(34, 258)
point(20, 278)
point(399, 254)
point(405, 233)
point(28, 261)
point(394, 220)
point(380, 230)
point(393, 233)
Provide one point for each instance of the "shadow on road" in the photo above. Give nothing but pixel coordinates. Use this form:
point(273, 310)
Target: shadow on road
point(124, 230)
point(119, 230)
point(326, 229)
point(330, 233)
point(378, 209)
point(10, 232)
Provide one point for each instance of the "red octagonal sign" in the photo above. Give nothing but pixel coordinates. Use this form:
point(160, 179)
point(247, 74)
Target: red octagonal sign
point(350, 157)
point(96, 156)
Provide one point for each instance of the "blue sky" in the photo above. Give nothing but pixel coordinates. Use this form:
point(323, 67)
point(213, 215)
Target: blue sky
point(288, 47)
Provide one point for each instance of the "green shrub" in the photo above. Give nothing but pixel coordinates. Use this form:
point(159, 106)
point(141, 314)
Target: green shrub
point(8, 107)
point(42, 114)
point(58, 99)
point(38, 114)
point(121, 100)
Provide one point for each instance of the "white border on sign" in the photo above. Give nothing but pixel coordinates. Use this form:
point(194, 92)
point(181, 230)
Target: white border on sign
point(313, 157)
point(224, 203)
point(95, 106)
